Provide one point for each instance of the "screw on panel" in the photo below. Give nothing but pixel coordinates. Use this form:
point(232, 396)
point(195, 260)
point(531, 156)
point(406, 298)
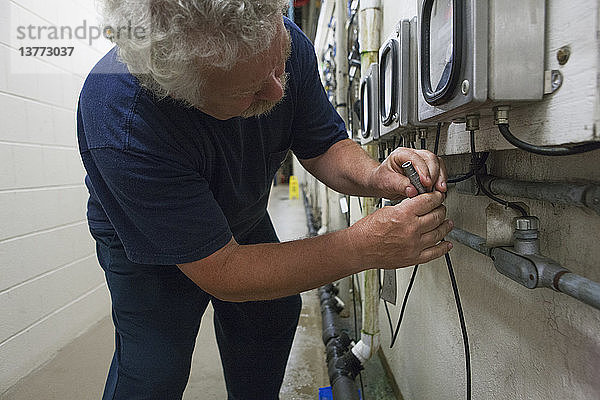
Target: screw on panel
point(563, 54)
point(552, 81)
point(465, 86)
point(557, 80)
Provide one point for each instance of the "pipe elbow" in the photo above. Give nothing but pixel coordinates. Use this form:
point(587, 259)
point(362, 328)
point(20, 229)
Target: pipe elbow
point(366, 347)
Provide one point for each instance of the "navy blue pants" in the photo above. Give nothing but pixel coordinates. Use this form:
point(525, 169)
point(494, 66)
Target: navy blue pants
point(157, 310)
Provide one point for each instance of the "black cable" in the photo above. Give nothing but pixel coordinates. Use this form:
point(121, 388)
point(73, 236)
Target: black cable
point(475, 159)
point(354, 307)
point(505, 203)
point(389, 317)
point(423, 144)
point(437, 138)
point(474, 169)
point(406, 294)
point(543, 150)
point(463, 326)
point(477, 162)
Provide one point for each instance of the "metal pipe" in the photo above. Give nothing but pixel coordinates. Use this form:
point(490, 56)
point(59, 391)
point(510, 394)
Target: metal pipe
point(581, 288)
point(546, 272)
point(579, 195)
point(469, 239)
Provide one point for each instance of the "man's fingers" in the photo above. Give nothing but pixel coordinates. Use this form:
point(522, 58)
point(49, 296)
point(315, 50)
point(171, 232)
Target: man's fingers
point(433, 252)
point(441, 183)
point(437, 234)
point(429, 222)
point(424, 203)
point(433, 169)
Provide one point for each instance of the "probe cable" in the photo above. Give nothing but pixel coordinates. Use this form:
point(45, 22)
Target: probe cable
point(459, 309)
point(478, 174)
point(545, 150)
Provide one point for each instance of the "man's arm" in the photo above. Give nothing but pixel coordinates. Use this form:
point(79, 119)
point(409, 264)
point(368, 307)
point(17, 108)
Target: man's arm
point(392, 237)
point(347, 168)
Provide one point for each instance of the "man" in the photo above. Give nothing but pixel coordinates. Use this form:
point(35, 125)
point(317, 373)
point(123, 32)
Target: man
point(181, 131)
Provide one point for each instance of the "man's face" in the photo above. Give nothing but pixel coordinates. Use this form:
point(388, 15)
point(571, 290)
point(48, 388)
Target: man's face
point(252, 87)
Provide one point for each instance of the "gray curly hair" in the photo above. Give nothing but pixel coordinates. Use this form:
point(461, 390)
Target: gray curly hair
point(182, 39)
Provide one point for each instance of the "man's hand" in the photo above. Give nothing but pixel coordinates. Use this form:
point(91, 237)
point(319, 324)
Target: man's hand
point(388, 179)
point(402, 235)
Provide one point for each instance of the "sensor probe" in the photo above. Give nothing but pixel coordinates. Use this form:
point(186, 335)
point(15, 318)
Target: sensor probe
point(413, 176)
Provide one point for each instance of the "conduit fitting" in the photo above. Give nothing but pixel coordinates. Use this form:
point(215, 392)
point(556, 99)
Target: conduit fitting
point(366, 347)
point(422, 133)
point(501, 114)
point(472, 122)
point(532, 270)
point(526, 235)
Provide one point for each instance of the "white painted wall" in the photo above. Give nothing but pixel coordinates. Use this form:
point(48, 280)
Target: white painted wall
point(525, 344)
point(51, 287)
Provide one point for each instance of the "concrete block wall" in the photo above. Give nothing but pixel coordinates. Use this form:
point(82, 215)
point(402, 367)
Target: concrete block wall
point(51, 287)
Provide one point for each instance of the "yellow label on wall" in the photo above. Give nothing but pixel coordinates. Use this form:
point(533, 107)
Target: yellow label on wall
point(294, 188)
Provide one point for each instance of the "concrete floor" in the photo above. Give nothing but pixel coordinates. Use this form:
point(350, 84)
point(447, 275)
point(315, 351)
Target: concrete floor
point(78, 371)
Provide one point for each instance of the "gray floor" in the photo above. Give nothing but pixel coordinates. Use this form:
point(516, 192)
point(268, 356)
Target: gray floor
point(78, 371)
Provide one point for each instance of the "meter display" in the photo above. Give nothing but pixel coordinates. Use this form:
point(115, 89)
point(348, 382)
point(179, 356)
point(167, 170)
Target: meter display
point(440, 43)
point(475, 53)
point(398, 82)
point(393, 79)
point(369, 105)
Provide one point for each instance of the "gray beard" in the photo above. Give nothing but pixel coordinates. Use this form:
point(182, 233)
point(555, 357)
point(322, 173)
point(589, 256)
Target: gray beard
point(264, 107)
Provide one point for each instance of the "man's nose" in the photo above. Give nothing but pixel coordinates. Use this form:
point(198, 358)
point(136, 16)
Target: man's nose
point(273, 90)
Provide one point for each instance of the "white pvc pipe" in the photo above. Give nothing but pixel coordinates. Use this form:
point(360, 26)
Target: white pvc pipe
point(370, 26)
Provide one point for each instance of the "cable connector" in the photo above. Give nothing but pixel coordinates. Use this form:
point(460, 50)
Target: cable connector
point(501, 115)
point(472, 122)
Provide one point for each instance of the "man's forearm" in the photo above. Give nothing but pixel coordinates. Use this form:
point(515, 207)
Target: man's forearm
point(346, 168)
point(274, 270)
point(392, 237)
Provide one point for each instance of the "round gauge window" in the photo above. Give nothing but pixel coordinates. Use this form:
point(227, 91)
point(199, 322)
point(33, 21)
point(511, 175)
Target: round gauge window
point(364, 109)
point(441, 49)
point(388, 81)
point(440, 60)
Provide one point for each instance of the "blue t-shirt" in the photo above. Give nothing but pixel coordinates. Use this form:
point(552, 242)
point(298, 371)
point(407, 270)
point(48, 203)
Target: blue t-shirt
point(175, 183)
